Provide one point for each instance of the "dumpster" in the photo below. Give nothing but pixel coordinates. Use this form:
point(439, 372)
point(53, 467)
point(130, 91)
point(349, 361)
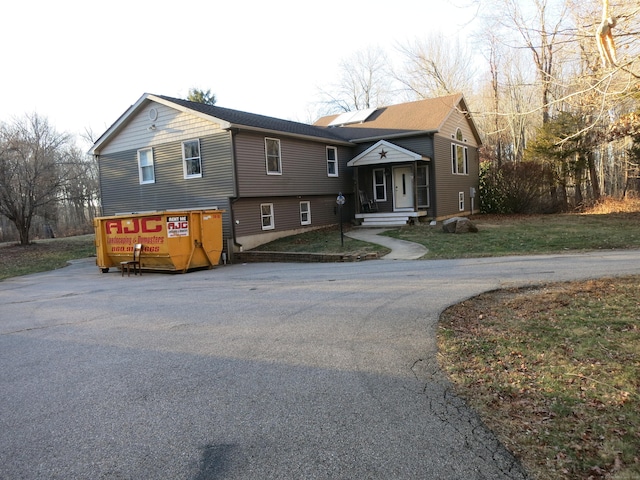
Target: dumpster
point(172, 241)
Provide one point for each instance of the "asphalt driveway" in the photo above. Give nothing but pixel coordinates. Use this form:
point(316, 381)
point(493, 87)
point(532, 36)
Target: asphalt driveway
point(260, 371)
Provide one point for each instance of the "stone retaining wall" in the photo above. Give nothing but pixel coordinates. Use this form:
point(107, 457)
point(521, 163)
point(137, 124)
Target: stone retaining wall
point(288, 257)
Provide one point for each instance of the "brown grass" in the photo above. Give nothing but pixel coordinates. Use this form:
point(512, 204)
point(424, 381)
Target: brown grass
point(554, 371)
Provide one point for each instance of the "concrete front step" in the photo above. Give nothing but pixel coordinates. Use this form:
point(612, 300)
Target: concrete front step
point(396, 222)
point(389, 219)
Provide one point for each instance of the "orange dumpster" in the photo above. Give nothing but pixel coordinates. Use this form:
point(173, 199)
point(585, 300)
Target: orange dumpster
point(172, 241)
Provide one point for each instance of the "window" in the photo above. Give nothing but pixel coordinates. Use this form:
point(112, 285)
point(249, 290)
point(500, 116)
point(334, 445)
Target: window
point(379, 185)
point(191, 159)
point(332, 161)
point(461, 201)
point(146, 171)
point(459, 159)
point(266, 212)
point(272, 151)
point(422, 185)
point(305, 213)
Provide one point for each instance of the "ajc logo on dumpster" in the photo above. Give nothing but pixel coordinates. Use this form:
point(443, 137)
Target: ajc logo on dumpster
point(177, 226)
point(134, 225)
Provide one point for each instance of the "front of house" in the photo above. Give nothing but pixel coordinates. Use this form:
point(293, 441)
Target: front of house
point(273, 177)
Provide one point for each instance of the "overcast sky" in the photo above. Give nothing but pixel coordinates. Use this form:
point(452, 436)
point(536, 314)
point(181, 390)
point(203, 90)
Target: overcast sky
point(82, 63)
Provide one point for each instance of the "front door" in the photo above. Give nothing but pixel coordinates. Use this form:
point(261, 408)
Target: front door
point(403, 188)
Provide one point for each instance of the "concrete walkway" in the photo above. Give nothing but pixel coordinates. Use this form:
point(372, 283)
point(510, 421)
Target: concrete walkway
point(400, 249)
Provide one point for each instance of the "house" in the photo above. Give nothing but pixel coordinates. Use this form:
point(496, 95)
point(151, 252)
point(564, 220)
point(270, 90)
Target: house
point(274, 177)
point(413, 160)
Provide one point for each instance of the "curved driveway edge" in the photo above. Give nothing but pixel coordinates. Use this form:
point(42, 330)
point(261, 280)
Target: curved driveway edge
point(270, 371)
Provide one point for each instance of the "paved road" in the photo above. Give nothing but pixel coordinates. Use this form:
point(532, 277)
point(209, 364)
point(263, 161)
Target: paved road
point(262, 371)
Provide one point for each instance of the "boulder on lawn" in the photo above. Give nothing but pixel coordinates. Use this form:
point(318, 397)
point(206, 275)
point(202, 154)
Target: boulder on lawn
point(459, 225)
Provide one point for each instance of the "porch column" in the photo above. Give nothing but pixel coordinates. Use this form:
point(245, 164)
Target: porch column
point(415, 186)
point(356, 181)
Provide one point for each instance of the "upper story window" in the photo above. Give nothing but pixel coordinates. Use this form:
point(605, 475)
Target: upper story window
point(459, 159)
point(191, 161)
point(273, 157)
point(459, 156)
point(332, 161)
point(146, 170)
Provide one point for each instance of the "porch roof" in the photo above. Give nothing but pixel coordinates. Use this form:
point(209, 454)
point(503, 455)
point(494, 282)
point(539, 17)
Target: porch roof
point(383, 153)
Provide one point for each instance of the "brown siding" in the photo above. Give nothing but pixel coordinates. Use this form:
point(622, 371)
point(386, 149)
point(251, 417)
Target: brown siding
point(447, 185)
point(304, 168)
point(286, 210)
point(458, 120)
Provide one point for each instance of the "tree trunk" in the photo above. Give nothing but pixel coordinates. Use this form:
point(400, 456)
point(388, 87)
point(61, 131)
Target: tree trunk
point(593, 176)
point(23, 230)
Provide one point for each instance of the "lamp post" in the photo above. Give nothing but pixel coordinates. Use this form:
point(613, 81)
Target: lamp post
point(340, 201)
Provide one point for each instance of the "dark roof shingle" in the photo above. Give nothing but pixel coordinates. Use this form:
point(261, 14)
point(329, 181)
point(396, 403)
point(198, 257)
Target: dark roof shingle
point(253, 120)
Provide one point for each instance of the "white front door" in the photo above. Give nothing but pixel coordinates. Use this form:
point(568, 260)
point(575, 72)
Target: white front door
point(403, 188)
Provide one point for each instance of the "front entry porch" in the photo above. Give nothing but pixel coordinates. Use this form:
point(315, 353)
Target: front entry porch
point(392, 185)
point(389, 219)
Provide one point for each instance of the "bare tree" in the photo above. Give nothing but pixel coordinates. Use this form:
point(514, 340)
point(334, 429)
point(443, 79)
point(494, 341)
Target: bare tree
point(364, 83)
point(34, 168)
point(436, 66)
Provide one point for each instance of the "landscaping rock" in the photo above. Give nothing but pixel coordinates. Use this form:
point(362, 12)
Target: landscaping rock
point(459, 225)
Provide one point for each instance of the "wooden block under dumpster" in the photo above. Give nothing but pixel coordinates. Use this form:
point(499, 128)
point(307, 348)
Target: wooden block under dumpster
point(173, 241)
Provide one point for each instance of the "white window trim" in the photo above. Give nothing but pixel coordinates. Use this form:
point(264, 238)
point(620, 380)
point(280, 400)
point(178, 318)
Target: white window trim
point(153, 167)
point(266, 156)
point(184, 160)
point(427, 186)
point(335, 161)
point(308, 212)
point(461, 201)
point(272, 222)
point(384, 185)
point(454, 159)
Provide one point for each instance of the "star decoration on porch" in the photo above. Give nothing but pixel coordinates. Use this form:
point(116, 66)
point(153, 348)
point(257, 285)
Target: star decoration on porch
point(383, 154)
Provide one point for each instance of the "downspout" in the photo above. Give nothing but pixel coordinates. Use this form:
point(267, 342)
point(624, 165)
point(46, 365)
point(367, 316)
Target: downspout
point(235, 198)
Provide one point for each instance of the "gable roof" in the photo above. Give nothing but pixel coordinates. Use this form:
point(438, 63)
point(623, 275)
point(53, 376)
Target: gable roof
point(403, 119)
point(384, 152)
point(227, 118)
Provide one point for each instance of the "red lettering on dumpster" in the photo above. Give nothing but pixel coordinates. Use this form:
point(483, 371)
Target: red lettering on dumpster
point(134, 225)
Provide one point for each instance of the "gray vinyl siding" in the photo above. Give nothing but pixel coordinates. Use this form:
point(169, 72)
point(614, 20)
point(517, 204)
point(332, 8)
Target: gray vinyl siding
point(286, 211)
point(304, 167)
point(122, 192)
point(171, 125)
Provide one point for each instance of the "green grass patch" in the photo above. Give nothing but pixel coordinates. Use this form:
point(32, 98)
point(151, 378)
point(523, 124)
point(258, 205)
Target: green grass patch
point(524, 235)
point(555, 372)
point(43, 255)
